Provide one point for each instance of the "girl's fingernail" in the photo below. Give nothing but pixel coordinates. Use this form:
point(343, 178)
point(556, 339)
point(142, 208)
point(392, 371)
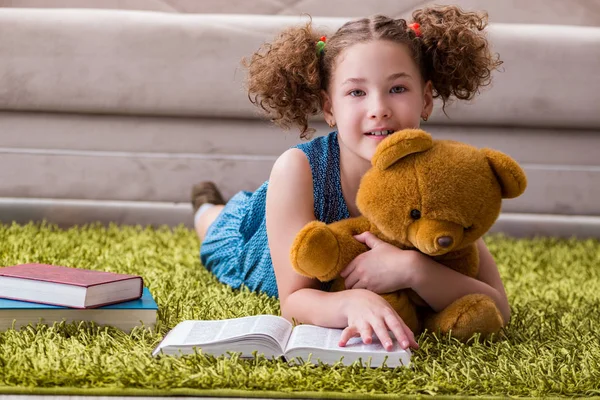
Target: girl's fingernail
point(405, 343)
point(388, 345)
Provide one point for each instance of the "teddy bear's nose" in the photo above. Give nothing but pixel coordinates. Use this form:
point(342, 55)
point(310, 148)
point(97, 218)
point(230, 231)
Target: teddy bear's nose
point(445, 241)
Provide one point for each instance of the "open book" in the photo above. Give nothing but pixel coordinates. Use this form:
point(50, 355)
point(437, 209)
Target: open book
point(274, 336)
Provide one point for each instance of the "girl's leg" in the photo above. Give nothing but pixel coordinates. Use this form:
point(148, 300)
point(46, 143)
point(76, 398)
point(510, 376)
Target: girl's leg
point(206, 193)
point(205, 219)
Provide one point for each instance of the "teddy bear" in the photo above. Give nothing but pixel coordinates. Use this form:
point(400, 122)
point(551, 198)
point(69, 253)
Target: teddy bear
point(433, 196)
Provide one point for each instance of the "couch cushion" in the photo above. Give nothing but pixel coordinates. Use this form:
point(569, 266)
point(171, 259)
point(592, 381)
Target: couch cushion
point(147, 63)
point(158, 159)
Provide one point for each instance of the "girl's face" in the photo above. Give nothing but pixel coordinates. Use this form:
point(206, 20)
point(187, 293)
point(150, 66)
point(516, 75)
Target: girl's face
point(376, 89)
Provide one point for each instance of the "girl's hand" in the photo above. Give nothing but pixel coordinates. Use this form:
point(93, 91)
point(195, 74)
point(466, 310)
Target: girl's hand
point(384, 268)
point(369, 313)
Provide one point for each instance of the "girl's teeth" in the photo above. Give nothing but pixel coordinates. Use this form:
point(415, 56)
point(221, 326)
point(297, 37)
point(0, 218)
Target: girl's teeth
point(380, 133)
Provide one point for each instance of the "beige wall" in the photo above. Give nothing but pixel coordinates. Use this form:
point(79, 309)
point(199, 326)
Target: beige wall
point(561, 12)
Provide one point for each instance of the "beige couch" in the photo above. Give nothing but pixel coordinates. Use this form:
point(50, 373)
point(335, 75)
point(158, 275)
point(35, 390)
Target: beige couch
point(111, 115)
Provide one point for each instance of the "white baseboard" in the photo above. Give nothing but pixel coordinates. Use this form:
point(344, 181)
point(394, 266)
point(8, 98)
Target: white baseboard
point(529, 225)
point(67, 212)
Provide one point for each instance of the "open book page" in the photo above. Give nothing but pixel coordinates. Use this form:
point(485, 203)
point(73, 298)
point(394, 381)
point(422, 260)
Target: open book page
point(323, 344)
point(311, 336)
point(189, 334)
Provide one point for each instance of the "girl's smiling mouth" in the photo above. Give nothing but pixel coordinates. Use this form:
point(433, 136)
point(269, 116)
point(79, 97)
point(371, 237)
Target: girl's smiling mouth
point(380, 133)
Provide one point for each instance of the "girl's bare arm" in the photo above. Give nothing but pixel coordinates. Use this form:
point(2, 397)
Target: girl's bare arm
point(290, 206)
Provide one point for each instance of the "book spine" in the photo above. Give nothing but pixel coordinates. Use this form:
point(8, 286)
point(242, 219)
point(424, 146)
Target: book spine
point(44, 303)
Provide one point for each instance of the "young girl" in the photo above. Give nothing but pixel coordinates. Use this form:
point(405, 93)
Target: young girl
point(374, 76)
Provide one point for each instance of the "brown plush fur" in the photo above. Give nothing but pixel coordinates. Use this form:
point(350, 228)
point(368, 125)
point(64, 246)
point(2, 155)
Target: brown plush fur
point(458, 190)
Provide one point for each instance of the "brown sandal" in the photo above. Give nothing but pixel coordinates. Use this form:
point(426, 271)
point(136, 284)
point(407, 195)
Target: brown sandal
point(205, 192)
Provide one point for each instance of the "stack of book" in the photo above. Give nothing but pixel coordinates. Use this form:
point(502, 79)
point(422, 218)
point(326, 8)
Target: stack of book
point(42, 293)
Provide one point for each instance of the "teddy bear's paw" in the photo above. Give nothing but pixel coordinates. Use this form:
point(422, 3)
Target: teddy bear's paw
point(316, 252)
point(467, 316)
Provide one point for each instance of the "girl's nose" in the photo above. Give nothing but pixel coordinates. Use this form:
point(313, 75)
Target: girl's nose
point(380, 115)
point(380, 110)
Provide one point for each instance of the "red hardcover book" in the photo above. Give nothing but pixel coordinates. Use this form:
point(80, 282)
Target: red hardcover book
point(66, 286)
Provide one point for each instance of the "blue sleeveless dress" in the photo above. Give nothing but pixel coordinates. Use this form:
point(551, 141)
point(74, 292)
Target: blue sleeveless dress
point(236, 249)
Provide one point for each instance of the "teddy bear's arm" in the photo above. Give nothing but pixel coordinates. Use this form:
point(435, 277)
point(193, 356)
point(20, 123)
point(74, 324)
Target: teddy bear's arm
point(322, 251)
point(350, 227)
point(465, 261)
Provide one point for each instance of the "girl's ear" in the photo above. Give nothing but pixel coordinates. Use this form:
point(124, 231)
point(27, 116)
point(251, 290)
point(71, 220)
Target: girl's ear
point(327, 106)
point(427, 100)
point(399, 145)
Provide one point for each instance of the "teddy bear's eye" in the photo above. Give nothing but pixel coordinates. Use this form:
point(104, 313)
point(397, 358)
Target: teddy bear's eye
point(415, 214)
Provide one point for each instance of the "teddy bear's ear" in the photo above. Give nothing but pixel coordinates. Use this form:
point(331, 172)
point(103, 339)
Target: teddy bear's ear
point(510, 175)
point(399, 145)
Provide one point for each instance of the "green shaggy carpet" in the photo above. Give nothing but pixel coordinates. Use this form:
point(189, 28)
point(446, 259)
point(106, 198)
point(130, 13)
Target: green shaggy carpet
point(552, 346)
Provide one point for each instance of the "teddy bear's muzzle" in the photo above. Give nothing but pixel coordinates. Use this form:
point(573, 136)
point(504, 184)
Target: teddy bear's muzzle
point(435, 237)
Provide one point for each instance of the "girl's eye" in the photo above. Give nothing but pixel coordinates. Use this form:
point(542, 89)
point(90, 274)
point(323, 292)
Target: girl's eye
point(398, 89)
point(357, 92)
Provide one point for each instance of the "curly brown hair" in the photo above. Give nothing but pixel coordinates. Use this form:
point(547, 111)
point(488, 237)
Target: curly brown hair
point(285, 77)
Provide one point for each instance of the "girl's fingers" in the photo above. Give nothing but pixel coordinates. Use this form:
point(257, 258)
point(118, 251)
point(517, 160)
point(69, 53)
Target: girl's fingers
point(381, 330)
point(351, 276)
point(351, 267)
point(366, 334)
point(411, 338)
point(369, 239)
point(348, 333)
point(348, 270)
point(351, 281)
point(403, 334)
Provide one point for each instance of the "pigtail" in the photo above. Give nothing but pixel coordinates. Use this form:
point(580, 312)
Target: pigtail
point(455, 52)
point(284, 78)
